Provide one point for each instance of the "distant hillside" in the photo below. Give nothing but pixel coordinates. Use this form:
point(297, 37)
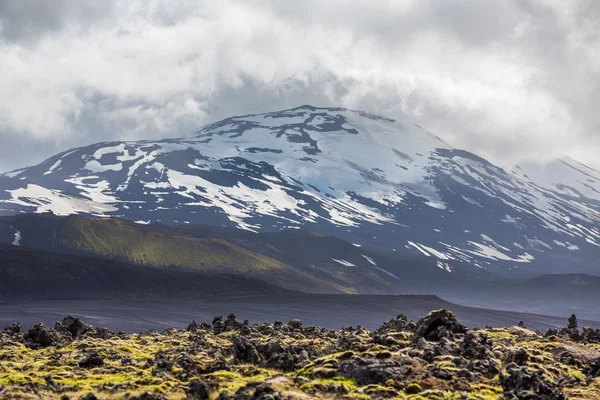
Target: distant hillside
point(333, 259)
point(297, 260)
point(153, 245)
point(293, 259)
point(27, 274)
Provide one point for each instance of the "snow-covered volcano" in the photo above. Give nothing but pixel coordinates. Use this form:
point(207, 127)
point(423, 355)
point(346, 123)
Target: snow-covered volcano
point(375, 181)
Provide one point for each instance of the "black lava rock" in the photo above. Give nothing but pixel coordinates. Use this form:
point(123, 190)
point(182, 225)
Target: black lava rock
point(92, 361)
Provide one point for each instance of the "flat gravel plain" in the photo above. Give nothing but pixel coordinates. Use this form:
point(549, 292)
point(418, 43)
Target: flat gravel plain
point(330, 311)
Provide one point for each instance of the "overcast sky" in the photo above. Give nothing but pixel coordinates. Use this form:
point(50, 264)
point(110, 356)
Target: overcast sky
point(509, 80)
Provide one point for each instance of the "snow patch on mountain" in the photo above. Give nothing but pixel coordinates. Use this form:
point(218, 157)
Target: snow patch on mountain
point(45, 200)
point(53, 167)
point(370, 260)
point(17, 240)
point(343, 262)
point(387, 273)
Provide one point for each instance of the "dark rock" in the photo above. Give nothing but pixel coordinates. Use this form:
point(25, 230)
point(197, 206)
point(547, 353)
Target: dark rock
point(74, 326)
point(593, 369)
point(266, 392)
point(245, 351)
point(163, 361)
point(590, 335)
point(217, 324)
point(13, 328)
point(148, 396)
point(521, 324)
point(198, 390)
point(522, 384)
point(254, 391)
point(230, 324)
point(551, 332)
point(245, 330)
point(397, 324)
point(192, 327)
point(475, 345)
point(92, 361)
point(413, 388)
point(518, 356)
point(49, 381)
point(441, 373)
point(331, 388)
point(89, 396)
point(568, 358)
point(284, 361)
point(42, 336)
point(367, 371)
point(104, 333)
point(295, 323)
point(438, 324)
point(265, 329)
point(572, 322)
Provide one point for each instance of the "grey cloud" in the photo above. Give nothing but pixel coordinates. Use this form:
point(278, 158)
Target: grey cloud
point(29, 20)
point(510, 80)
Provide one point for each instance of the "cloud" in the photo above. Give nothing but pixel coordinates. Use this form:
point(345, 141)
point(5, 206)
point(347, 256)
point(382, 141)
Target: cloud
point(29, 20)
point(510, 80)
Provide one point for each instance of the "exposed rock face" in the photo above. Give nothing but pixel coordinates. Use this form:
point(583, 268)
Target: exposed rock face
point(295, 324)
point(518, 356)
point(367, 371)
point(397, 324)
point(13, 328)
point(230, 324)
point(572, 322)
point(593, 370)
point(92, 361)
point(42, 336)
point(523, 384)
point(253, 391)
point(74, 326)
point(437, 325)
point(245, 351)
point(198, 390)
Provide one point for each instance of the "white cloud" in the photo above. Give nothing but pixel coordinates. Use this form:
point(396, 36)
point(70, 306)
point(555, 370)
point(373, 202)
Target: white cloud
point(507, 80)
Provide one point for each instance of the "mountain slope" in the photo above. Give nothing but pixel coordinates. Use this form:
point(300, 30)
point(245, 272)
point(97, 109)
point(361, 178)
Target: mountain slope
point(332, 265)
point(294, 259)
point(27, 274)
point(154, 246)
point(370, 180)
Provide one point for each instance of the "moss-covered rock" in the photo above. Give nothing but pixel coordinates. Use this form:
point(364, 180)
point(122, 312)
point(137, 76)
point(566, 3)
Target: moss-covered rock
point(233, 359)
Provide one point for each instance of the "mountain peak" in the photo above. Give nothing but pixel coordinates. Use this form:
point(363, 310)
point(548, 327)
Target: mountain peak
point(372, 180)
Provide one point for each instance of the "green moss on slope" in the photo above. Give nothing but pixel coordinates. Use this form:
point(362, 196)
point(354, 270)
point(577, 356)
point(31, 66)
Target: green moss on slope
point(161, 247)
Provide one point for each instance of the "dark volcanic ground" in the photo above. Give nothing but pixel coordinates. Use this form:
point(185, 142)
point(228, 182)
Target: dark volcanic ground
point(330, 311)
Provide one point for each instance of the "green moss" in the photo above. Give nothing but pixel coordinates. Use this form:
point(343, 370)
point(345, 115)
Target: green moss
point(577, 374)
point(130, 368)
point(413, 388)
point(497, 334)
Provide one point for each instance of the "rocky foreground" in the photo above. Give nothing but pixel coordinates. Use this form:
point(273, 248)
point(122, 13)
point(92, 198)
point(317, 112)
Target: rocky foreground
point(434, 358)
